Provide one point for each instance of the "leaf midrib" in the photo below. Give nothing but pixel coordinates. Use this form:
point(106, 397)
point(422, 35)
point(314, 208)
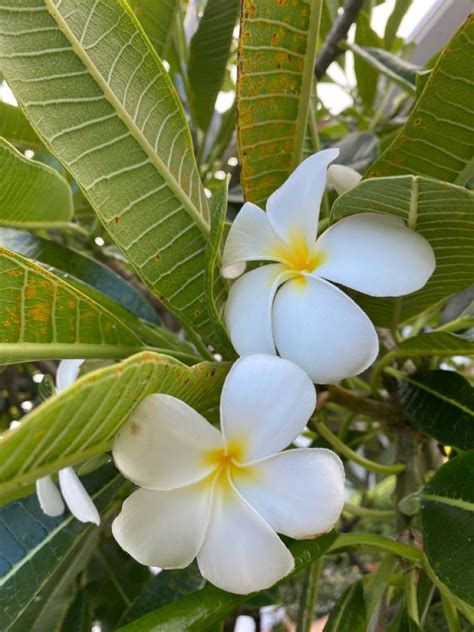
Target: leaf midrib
point(134, 130)
point(459, 503)
point(440, 395)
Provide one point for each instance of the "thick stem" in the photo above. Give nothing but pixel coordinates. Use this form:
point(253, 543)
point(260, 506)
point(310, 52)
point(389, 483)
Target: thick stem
point(330, 50)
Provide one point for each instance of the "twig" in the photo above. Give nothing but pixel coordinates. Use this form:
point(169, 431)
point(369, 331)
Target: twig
point(330, 50)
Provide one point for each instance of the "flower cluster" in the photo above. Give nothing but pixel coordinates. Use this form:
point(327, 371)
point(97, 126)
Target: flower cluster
point(222, 497)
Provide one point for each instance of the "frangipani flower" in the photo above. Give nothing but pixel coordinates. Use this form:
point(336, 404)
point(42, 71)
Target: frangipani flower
point(291, 306)
point(221, 497)
point(73, 492)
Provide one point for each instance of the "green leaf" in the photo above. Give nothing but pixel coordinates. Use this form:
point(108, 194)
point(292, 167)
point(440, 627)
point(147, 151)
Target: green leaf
point(440, 404)
point(78, 617)
point(42, 317)
point(81, 421)
point(81, 266)
point(15, 127)
point(274, 85)
point(447, 514)
point(96, 92)
point(199, 610)
point(36, 552)
point(114, 580)
point(349, 613)
point(391, 66)
point(399, 10)
point(157, 19)
point(164, 588)
point(437, 139)
point(32, 195)
point(367, 76)
point(442, 213)
point(208, 54)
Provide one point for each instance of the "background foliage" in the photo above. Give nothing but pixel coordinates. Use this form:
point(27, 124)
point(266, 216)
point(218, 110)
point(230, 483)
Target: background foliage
point(142, 126)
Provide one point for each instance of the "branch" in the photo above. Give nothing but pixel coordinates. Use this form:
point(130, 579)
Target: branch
point(375, 409)
point(330, 50)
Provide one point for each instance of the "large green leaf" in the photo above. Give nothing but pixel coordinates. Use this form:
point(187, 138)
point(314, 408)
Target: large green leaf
point(98, 95)
point(199, 610)
point(208, 55)
point(440, 404)
point(157, 18)
point(349, 613)
point(32, 195)
point(81, 266)
point(275, 73)
point(36, 553)
point(43, 317)
point(438, 138)
point(447, 514)
point(15, 128)
point(82, 420)
point(442, 213)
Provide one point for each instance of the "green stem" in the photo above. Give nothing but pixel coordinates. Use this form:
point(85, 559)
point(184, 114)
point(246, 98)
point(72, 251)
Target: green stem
point(463, 322)
point(369, 512)
point(342, 448)
point(411, 582)
point(379, 542)
point(450, 614)
point(198, 343)
point(375, 409)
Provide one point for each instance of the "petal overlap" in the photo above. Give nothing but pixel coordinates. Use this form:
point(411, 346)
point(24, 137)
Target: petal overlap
point(248, 312)
point(241, 553)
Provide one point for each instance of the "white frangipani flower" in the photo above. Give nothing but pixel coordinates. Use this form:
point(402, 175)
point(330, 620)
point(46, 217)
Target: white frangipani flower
point(221, 497)
point(291, 306)
point(77, 499)
point(343, 178)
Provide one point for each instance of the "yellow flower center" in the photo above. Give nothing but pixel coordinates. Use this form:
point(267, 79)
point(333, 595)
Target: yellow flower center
point(227, 464)
point(298, 256)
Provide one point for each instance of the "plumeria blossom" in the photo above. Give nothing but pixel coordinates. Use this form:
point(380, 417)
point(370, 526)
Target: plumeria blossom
point(72, 492)
point(223, 496)
point(291, 306)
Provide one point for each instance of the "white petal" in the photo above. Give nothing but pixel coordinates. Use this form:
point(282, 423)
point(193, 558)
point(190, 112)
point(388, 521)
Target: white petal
point(67, 373)
point(164, 529)
point(376, 254)
point(49, 498)
point(79, 503)
point(323, 330)
point(250, 238)
point(241, 553)
point(248, 309)
point(293, 209)
point(164, 444)
point(343, 178)
point(265, 403)
point(300, 493)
